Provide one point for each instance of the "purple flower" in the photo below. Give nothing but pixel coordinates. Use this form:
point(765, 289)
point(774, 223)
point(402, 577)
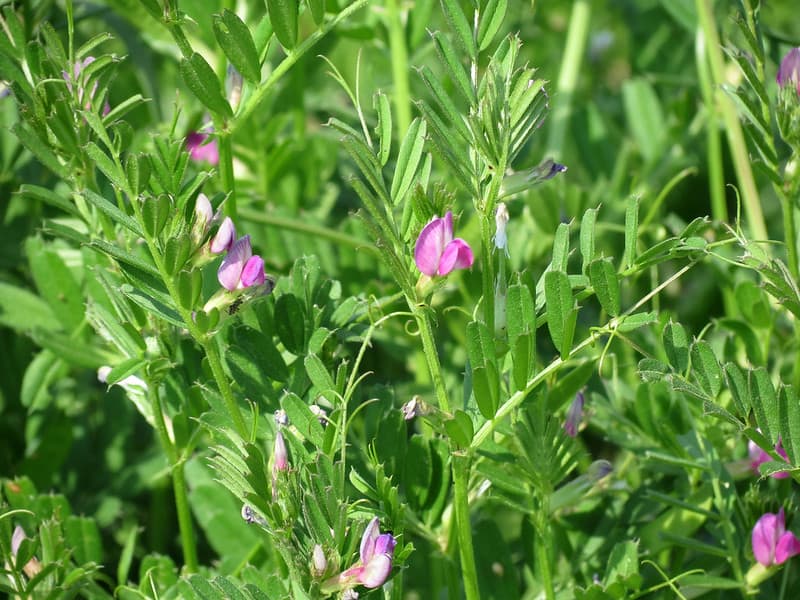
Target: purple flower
point(240, 269)
point(375, 564)
point(201, 149)
point(574, 415)
point(437, 253)
point(772, 544)
point(789, 71)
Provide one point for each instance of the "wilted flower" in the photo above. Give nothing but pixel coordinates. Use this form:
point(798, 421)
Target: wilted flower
point(75, 78)
point(789, 71)
point(201, 149)
point(281, 418)
point(759, 457)
point(251, 516)
point(375, 564)
point(574, 415)
point(33, 567)
point(240, 268)
point(772, 544)
point(437, 253)
point(203, 215)
point(320, 413)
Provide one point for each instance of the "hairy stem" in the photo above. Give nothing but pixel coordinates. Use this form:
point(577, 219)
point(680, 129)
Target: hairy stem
point(188, 545)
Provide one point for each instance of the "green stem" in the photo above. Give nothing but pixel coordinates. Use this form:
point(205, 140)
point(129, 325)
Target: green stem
point(261, 91)
point(215, 362)
point(397, 44)
point(577, 35)
point(543, 560)
point(178, 481)
point(733, 127)
point(226, 170)
point(469, 574)
point(308, 228)
point(431, 355)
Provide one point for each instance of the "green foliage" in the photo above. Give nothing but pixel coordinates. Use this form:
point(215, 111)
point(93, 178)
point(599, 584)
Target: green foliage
point(238, 442)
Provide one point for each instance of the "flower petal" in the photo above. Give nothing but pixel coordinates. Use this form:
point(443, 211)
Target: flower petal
point(457, 255)
point(253, 272)
point(371, 533)
point(788, 546)
point(764, 538)
point(789, 70)
point(385, 544)
point(376, 571)
point(430, 245)
point(224, 238)
point(230, 271)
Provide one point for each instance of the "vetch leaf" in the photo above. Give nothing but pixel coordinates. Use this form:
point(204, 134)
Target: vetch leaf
point(491, 18)
point(236, 42)
point(408, 160)
point(631, 231)
point(559, 309)
point(587, 237)
point(676, 346)
point(320, 377)
point(561, 248)
point(737, 384)
point(789, 414)
point(706, 369)
point(384, 128)
point(765, 403)
point(452, 60)
point(283, 16)
point(603, 278)
point(202, 81)
point(461, 27)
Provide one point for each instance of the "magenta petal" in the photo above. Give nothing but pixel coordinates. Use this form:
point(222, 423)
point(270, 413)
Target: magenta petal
point(767, 531)
point(253, 272)
point(430, 245)
point(788, 546)
point(376, 571)
point(368, 540)
point(457, 255)
point(230, 271)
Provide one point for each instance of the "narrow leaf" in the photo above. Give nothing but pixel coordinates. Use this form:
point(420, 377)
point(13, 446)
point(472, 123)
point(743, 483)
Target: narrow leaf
point(202, 81)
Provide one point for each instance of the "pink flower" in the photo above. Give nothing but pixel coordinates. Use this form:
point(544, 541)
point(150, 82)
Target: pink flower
point(437, 253)
point(201, 149)
point(240, 269)
point(789, 71)
point(279, 455)
point(759, 457)
point(377, 551)
point(772, 544)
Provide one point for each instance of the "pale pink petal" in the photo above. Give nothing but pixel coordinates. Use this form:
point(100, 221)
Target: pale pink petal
point(368, 540)
point(430, 245)
point(224, 238)
point(253, 272)
point(201, 149)
point(230, 271)
point(788, 546)
point(789, 70)
point(376, 571)
point(280, 455)
point(457, 255)
point(203, 210)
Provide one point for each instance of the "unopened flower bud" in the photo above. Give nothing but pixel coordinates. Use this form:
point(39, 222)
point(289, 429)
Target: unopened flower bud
point(319, 563)
point(280, 456)
point(789, 71)
point(501, 220)
point(574, 415)
point(233, 85)
point(224, 238)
